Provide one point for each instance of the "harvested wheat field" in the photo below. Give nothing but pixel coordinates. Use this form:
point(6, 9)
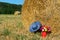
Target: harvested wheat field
point(16, 27)
point(11, 28)
point(46, 11)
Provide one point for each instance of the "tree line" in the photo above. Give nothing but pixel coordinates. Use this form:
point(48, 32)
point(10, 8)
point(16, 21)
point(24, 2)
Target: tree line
point(7, 8)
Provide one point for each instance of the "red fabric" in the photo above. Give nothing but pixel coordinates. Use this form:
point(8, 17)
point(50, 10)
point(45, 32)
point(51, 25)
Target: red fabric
point(44, 34)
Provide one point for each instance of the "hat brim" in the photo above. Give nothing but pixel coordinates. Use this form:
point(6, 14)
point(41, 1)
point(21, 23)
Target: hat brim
point(31, 30)
point(37, 24)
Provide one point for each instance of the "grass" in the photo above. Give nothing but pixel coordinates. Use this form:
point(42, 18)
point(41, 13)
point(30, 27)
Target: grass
point(6, 32)
point(11, 28)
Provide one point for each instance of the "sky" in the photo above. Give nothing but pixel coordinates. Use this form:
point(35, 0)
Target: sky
point(13, 1)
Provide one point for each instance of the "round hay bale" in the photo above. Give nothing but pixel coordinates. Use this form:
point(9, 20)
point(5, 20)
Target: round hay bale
point(46, 11)
point(17, 13)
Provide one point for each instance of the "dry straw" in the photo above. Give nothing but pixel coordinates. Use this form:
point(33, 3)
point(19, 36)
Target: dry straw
point(46, 11)
point(16, 13)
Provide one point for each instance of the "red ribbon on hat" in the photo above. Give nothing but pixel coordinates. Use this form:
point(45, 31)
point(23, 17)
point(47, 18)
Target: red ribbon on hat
point(44, 34)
